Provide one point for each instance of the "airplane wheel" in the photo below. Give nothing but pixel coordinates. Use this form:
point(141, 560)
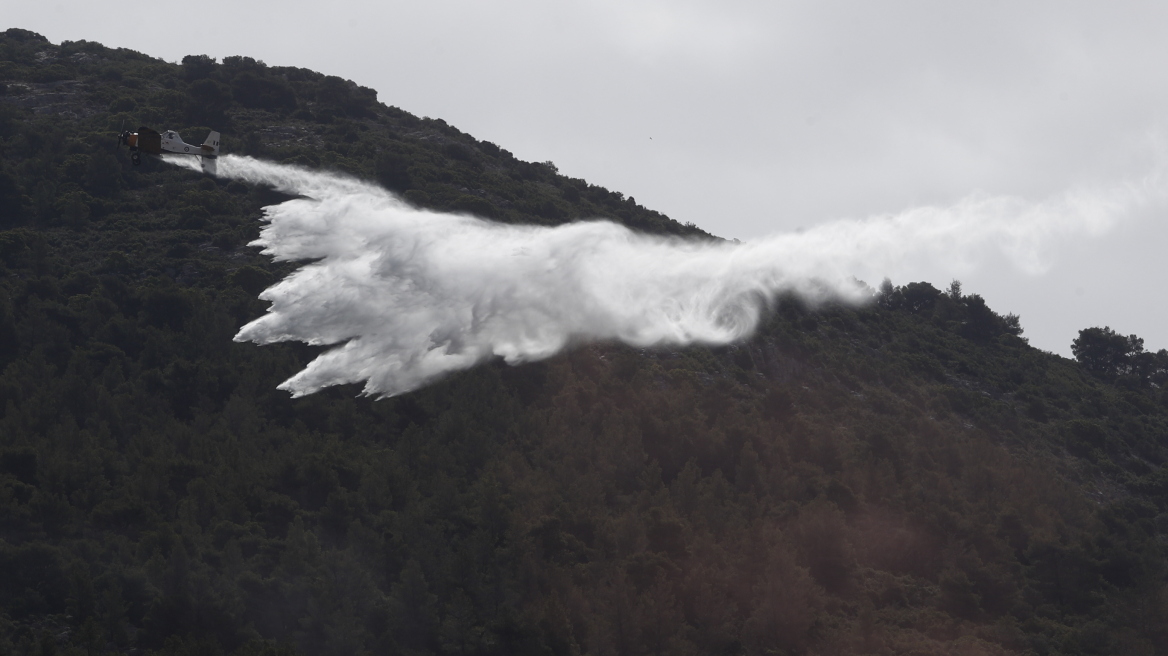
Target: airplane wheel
point(136, 159)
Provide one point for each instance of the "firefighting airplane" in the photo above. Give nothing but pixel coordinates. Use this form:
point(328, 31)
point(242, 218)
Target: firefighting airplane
point(150, 142)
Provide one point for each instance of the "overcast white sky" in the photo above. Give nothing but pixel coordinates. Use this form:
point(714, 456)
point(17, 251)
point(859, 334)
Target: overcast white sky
point(756, 117)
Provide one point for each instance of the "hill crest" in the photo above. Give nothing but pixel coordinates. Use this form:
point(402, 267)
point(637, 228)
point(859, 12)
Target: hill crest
point(905, 477)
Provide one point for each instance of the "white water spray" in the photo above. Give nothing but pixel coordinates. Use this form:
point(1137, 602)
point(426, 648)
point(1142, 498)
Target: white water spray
point(410, 295)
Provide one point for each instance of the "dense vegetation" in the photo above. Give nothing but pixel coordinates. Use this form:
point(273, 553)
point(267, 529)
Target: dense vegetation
point(905, 477)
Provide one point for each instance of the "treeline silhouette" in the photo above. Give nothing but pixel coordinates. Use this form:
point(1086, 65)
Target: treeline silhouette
point(909, 476)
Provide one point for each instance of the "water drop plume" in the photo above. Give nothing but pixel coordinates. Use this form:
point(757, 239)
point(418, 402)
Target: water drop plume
point(406, 295)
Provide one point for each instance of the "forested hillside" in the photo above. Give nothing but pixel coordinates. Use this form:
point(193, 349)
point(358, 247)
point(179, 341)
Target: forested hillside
point(906, 477)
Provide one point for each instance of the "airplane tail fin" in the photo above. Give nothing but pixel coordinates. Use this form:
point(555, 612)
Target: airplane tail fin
point(210, 166)
point(211, 144)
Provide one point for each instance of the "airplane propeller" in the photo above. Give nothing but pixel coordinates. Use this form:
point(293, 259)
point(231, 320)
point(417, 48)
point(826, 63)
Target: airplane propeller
point(124, 138)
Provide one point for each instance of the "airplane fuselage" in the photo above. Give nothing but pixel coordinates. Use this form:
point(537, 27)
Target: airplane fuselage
point(172, 143)
point(150, 142)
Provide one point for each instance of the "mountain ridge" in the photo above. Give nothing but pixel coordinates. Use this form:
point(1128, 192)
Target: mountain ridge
point(904, 477)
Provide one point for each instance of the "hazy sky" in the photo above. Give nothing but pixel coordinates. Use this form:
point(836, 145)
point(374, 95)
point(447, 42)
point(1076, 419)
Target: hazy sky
point(750, 118)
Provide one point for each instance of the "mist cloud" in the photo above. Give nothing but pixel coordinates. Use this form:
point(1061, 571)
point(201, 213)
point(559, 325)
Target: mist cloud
point(409, 295)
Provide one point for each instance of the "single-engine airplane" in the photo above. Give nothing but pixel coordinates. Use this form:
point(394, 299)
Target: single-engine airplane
point(150, 142)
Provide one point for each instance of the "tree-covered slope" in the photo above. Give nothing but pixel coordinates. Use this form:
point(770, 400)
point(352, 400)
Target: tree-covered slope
point(906, 477)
